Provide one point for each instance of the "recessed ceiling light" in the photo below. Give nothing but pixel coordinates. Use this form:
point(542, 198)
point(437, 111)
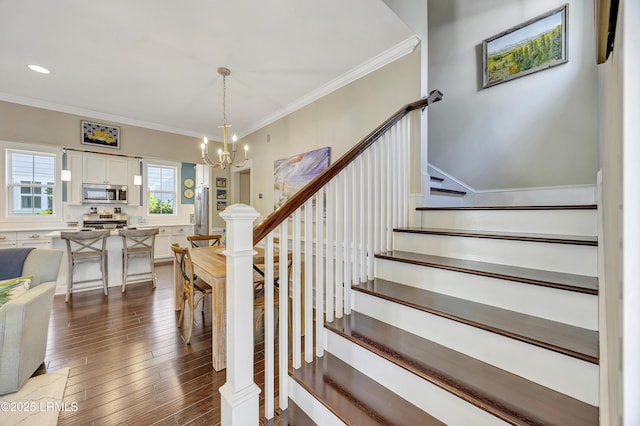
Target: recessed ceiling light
point(38, 68)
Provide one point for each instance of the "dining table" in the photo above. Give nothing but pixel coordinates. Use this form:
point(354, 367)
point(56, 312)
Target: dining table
point(210, 265)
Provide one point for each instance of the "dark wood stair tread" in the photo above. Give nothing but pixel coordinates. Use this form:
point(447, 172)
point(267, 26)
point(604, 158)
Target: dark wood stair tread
point(496, 235)
point(550, 207)
point(447, 191)
point(436, 179)
point(563, 338)
point(559, 280)
point(355, 398)
point(505, 395)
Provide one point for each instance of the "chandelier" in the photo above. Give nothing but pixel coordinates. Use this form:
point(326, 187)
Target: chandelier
point(225, 158)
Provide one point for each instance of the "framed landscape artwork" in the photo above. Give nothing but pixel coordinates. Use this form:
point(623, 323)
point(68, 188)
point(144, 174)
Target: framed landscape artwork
point(101, 135)
point(532, 46)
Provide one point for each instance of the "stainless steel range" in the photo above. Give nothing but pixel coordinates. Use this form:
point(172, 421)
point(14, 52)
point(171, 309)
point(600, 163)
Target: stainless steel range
point(104, 221)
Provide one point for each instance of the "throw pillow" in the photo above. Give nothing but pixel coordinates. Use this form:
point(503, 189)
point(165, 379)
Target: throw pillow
point(14, 287)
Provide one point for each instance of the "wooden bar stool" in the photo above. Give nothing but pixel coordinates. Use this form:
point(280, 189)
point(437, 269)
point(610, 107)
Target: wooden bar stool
point(86, 246)
point(138, 243)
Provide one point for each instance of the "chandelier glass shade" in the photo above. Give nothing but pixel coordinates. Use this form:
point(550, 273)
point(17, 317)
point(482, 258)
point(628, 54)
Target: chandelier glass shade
point(226, 158)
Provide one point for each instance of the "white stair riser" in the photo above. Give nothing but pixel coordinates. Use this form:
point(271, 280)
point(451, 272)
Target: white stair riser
point(421, 393)
point(313, 408)
point(564, 222)
point(563, 306)
point(565, 374)
point(569, 258)
point(439, 199)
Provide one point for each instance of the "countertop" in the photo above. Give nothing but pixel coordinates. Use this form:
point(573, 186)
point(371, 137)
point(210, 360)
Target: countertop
point(114, 232)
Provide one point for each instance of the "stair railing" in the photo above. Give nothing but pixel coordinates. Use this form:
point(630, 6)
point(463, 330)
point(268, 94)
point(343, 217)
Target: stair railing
point(327, 234)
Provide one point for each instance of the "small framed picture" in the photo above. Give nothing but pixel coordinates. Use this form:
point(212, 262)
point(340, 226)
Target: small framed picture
point(221, 194)
point(100, 135)
point(221, 182)
point(221, 205)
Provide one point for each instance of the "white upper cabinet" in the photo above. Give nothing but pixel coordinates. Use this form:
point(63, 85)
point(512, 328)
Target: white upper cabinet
point(133, 193)
point(202, 175)
point(106, 169)
point(74, 188)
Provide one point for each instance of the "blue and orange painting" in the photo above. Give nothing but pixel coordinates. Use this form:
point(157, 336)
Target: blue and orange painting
point(291, 174)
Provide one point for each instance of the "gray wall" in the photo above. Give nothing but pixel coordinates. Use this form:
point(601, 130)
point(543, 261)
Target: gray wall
point(536, 131)
point(20, 123)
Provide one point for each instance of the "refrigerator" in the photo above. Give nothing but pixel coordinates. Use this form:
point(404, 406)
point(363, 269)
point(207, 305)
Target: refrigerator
point(201, 205)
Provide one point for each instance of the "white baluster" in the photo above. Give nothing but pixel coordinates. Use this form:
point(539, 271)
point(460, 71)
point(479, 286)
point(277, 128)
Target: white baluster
point(269, 338)
point(388, 189)
point(283, 347)
point(348, 208)
point(364, 215)
point(308, 280)
point(339, 244)
point(371, 222)
point(330, 239)
point(356, 218)
point(319, 272)
point(239, 395)
point(378, 196)
point(297, 292)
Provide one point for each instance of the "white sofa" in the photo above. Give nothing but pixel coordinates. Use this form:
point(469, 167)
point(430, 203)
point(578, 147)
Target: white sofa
point(24, 321)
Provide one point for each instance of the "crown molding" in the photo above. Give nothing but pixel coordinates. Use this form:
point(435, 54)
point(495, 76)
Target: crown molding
point(390, 55)
point(87, 113)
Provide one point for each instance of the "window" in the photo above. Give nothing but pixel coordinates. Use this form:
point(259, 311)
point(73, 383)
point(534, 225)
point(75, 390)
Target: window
point(161, 181)
point(31, 182)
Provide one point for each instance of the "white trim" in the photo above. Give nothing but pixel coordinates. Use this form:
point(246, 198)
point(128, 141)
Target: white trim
point(449, 177)
point(396, 52)
point(234, 184)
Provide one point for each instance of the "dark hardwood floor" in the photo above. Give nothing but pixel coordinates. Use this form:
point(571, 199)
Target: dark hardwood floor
point(128, 360)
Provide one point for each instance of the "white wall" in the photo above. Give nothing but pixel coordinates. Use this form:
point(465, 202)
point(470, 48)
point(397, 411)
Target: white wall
point(540, 130)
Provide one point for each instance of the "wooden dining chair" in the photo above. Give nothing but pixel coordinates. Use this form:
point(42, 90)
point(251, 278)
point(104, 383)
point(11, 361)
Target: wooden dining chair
point(204, 240)
point(194, 290)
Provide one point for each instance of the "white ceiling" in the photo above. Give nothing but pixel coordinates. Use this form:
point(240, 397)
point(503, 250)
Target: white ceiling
point(153, 63)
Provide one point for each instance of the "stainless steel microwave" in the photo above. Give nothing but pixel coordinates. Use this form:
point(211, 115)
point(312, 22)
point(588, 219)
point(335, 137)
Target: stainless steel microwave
point(104, 194)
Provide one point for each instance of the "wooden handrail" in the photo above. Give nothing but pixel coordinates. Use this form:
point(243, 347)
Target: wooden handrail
point(293, 203)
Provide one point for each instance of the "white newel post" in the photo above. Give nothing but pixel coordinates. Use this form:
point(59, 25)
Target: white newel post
point(239, 395)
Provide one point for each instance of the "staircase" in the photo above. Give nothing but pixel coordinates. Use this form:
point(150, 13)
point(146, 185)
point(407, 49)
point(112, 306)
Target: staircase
point(484, 315)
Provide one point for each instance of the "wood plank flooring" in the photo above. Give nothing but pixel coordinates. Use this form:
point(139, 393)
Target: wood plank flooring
point(128, 360)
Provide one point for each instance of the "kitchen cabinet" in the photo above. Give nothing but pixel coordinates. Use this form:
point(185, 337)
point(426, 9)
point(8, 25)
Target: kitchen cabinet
point(74, 188)
point(106, 169)
point(133, 190)
point(7, 239)
point(162, 247)
point(168, 235)
point(202, 175)
point(36, 239)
